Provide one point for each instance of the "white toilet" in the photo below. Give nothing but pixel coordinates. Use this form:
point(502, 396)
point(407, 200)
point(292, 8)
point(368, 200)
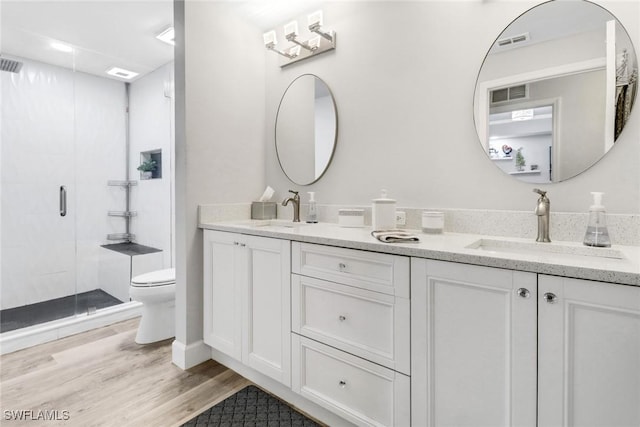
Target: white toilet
point(157, 293)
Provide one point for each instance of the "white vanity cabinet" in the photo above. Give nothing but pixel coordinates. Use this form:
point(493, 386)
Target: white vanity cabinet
point(473, 345)
point(351, 341)
point(589, 353)
point(247, 309)
point(489, 345)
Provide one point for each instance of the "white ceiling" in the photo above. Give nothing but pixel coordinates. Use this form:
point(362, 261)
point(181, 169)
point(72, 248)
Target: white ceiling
point(556, 19)
point(103, 33)
point(121, 33)
point(107, 33)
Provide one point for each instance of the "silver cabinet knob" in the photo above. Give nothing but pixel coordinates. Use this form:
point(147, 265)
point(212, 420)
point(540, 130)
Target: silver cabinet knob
point(550, 298)
point(524, 293)
point(342, 383)
point(342, 318)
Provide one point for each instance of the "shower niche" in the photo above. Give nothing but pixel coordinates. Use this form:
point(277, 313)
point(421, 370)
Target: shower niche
point(150, 164)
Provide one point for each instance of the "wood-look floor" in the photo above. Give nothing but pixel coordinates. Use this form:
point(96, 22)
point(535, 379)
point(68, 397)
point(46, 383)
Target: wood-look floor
point(103, 378)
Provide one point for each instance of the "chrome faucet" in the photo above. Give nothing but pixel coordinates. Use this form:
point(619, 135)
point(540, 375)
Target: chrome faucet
point(542, 211)
point(296, 205)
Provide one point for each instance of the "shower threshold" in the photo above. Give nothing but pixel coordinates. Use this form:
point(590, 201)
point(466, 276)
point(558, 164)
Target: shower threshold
point(59, 308)
point(29, 336)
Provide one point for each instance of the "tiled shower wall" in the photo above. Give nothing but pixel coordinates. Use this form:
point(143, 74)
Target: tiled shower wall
point(58, 128)
point(151, 129)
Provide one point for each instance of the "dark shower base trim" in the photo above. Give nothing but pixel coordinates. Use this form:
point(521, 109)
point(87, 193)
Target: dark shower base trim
point(59, 308)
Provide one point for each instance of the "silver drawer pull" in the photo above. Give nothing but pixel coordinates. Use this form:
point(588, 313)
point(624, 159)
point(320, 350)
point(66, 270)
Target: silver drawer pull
point(342, 318)
point(524, 293)
point(342, 383)
point(550, 298)
point(342, 266)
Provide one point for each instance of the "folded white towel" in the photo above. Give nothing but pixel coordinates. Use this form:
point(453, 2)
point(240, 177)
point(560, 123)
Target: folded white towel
point(395, 236)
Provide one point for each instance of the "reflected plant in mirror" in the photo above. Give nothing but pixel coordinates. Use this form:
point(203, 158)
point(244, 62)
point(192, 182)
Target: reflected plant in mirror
point(560, 81)
point(306, 129)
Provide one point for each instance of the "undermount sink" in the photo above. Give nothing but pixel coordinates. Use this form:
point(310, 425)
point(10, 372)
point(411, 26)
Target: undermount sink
point(507, 246)
point(278, 223)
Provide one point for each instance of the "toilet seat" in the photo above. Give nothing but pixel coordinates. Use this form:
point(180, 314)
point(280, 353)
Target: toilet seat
point(155, 278)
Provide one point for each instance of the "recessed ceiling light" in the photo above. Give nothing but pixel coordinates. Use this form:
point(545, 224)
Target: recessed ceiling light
point(61, 47)
point(121, 72)
point(167, 36)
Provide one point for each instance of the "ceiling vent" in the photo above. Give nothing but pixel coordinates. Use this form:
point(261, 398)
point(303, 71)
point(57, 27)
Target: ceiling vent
point(10, 65)
point(509, 94)
point(512, 41)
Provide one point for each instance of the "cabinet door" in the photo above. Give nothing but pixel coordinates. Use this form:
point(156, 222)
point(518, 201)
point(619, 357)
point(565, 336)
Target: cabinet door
point(222, 300)
point(589, 353)
point(267, 307)
point(473, 345)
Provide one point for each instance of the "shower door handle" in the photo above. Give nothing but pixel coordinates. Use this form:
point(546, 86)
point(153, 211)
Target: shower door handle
point(63, 200)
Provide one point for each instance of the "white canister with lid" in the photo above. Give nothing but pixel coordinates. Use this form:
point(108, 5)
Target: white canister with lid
point(383, 213)
point(432, 222)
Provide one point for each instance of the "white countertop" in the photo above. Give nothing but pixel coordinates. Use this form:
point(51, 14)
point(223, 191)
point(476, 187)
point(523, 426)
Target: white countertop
point(536, 257)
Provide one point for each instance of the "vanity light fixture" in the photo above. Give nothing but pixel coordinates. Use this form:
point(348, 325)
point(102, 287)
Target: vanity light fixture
point(518, 115)
point(315, 25)
point(270, 42)
point(322, 42)
point(291, 34)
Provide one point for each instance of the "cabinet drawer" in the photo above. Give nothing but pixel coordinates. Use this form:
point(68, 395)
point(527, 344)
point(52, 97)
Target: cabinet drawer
point(384, 273)
point(362, 392)
point(365, 323)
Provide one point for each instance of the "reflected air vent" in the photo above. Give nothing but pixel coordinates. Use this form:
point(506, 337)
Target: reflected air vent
point(10, 65)
point(511, 41)
point(509, 94)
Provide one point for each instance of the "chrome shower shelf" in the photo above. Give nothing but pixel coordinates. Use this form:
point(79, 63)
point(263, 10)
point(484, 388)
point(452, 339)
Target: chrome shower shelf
point(121, 236)
point(116, 183)
point(122, 213)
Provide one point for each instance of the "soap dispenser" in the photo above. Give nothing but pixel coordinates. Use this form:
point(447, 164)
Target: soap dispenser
point(597, 233)
point(312, 216)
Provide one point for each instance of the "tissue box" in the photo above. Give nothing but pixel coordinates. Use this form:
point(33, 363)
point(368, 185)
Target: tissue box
point(263, 210)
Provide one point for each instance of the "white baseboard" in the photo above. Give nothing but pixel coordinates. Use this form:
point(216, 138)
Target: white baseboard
point(190, 355)
point(39, 334)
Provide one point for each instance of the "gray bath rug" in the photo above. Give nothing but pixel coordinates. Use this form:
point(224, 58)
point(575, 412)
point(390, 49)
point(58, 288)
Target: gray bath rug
point(251, 407)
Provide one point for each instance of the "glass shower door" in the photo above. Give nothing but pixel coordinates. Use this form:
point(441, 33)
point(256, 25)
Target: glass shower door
point(38, 219)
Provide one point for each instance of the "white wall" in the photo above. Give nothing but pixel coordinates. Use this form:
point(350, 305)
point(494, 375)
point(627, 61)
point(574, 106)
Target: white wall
point(58, 128)
point(151, 129)
point(403, 76)
point(219, 134)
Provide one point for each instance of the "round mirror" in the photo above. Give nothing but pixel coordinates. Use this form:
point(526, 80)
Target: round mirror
point(555, 91)
point(306, 129)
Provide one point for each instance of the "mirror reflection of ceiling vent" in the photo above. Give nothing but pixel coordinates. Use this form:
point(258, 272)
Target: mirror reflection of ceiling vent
point(509, 93)
point(10, 65)
point(511, 41)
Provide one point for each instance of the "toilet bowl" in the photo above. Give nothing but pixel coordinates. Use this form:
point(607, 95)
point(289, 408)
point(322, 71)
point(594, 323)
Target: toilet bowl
point(157, 293)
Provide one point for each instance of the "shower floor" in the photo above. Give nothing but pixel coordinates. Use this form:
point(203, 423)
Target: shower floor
point(59, 308)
